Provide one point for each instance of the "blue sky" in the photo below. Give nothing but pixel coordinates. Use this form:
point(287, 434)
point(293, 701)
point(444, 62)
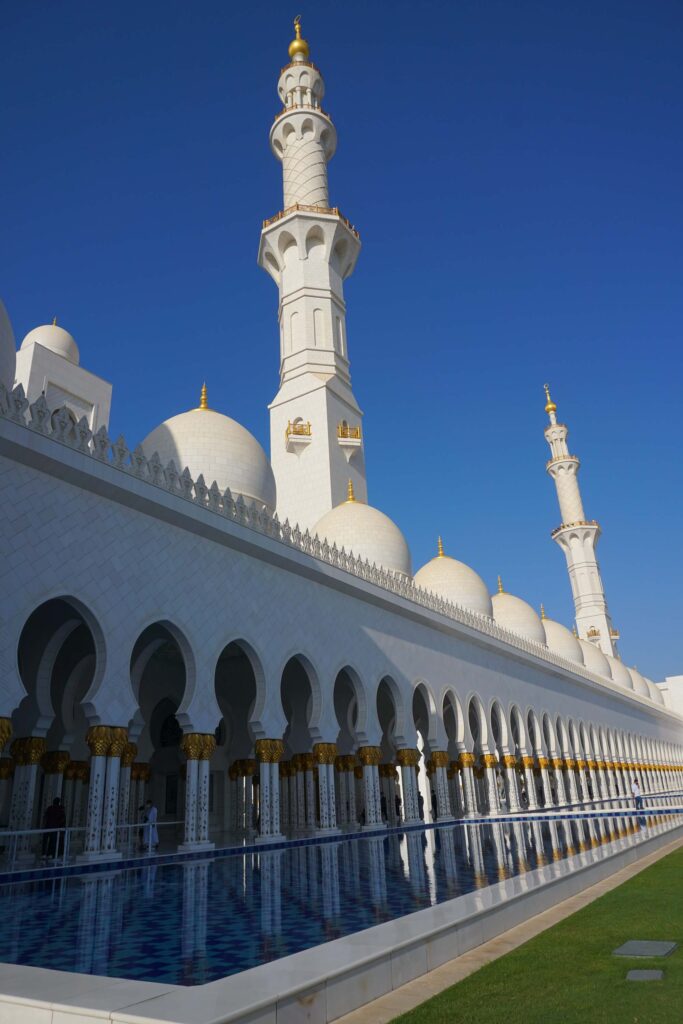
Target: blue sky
point(515, 172)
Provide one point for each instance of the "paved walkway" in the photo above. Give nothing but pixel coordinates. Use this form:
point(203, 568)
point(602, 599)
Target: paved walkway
point(386, 1008)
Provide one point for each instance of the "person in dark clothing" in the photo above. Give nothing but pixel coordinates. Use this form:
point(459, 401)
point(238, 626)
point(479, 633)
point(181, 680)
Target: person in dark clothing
point(434, 806)
point(53, 818)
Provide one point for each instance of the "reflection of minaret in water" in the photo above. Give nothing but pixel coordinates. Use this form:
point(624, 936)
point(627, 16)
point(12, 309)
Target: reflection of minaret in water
point(578, 538)
point(309, 249)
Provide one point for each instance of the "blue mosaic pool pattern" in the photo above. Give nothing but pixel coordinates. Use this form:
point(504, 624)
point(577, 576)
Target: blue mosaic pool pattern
point(194, 921)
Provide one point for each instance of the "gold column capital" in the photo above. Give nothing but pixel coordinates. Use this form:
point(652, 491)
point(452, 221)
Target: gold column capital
point(489, 760)
point(309, 761)
point(466, 760)
point(28, 750)
point(192, 745)
point(6, 768)
point(208, 745)
point(325, 753)
point(119, 739)
point(130, 752)
point(269, 751)
point(98, 738)
point(440, 758)
point(5, 731)
point(406, 757)
point(55, 762)
point(358, 772)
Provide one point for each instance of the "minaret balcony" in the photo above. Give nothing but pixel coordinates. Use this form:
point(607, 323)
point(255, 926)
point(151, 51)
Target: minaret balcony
point(349, 439)
point(591, 523)
point(298, 436)
point(301, 106)
point(327, 211)
point(562, 458)
point(615, 634)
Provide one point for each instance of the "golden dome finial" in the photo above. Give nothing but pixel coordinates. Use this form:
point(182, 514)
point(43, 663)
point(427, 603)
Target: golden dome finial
point(500, 586)
point(203, 397)
point(298, 45)
point(350, 496)
point(439, 548)
point(54, 321)
point(549, 404)
point(542, 612)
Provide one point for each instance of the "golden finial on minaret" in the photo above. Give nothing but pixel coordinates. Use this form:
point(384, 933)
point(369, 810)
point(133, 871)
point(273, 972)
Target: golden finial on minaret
point(203, 397)
point(54, 321)
point(500, 586)
point(549, 404)
point(439, 548)
point(350, 496)
point(298, 45)
point(542, 612)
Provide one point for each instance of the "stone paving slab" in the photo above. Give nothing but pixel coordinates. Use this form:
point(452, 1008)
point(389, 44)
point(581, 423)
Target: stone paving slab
point(645, 975)
point(639, 947)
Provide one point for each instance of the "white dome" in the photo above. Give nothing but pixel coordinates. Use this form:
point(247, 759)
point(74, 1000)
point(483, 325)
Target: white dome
point(456, 582)
point(620, 674)
point(56, 339)
point(368, 533)
point(214, 445)
point(562, 641)
point(594, 659)
point(655, 692)
point(8, 351)
point(639, 683)
point(515, 614)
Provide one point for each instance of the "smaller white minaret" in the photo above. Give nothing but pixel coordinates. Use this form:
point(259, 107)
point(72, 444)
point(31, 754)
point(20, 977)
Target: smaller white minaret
point(578, 538)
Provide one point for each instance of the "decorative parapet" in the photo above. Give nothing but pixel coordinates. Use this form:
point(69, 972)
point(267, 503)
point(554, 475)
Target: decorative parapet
point(225, 505)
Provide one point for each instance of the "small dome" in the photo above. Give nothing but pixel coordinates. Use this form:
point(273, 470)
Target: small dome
point(209, 443)
point(8, 351)
point(455, 582)
point(562, 641)
point(56, 339)
point(639, 683)
point(515, 614)
point(367, 532)
point(619, 673)
point(655, 692)
point(594, 659)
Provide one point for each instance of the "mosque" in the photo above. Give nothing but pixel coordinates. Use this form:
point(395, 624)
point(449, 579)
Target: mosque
point(242, 638)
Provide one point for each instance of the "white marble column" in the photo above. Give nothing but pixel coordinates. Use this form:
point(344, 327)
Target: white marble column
point(299, 762)
point(528, 765)
point(370, 757)
point(509, 762)
point(269, 753)
point(325, 755)
point(490, 764)
point(466, 762)
point(568, 770)
point(191, 746)
point(440, 779)
point(543, 763)
point(27, 753)
point(342, 786)
point(123, 815)
point(110, 808)
point(408, 759)
point(98, 739)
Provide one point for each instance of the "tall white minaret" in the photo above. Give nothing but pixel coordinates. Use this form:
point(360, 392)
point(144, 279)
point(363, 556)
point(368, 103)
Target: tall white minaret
point(309, 249)
point(578, 538)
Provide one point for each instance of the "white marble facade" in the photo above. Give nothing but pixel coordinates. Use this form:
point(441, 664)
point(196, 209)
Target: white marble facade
point(169, 631)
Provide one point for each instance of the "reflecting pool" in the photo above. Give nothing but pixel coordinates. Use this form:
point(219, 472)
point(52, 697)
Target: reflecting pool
point(196, 921)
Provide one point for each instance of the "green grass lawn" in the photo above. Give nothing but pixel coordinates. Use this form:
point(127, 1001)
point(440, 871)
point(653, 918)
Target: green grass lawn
point(567, 974)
